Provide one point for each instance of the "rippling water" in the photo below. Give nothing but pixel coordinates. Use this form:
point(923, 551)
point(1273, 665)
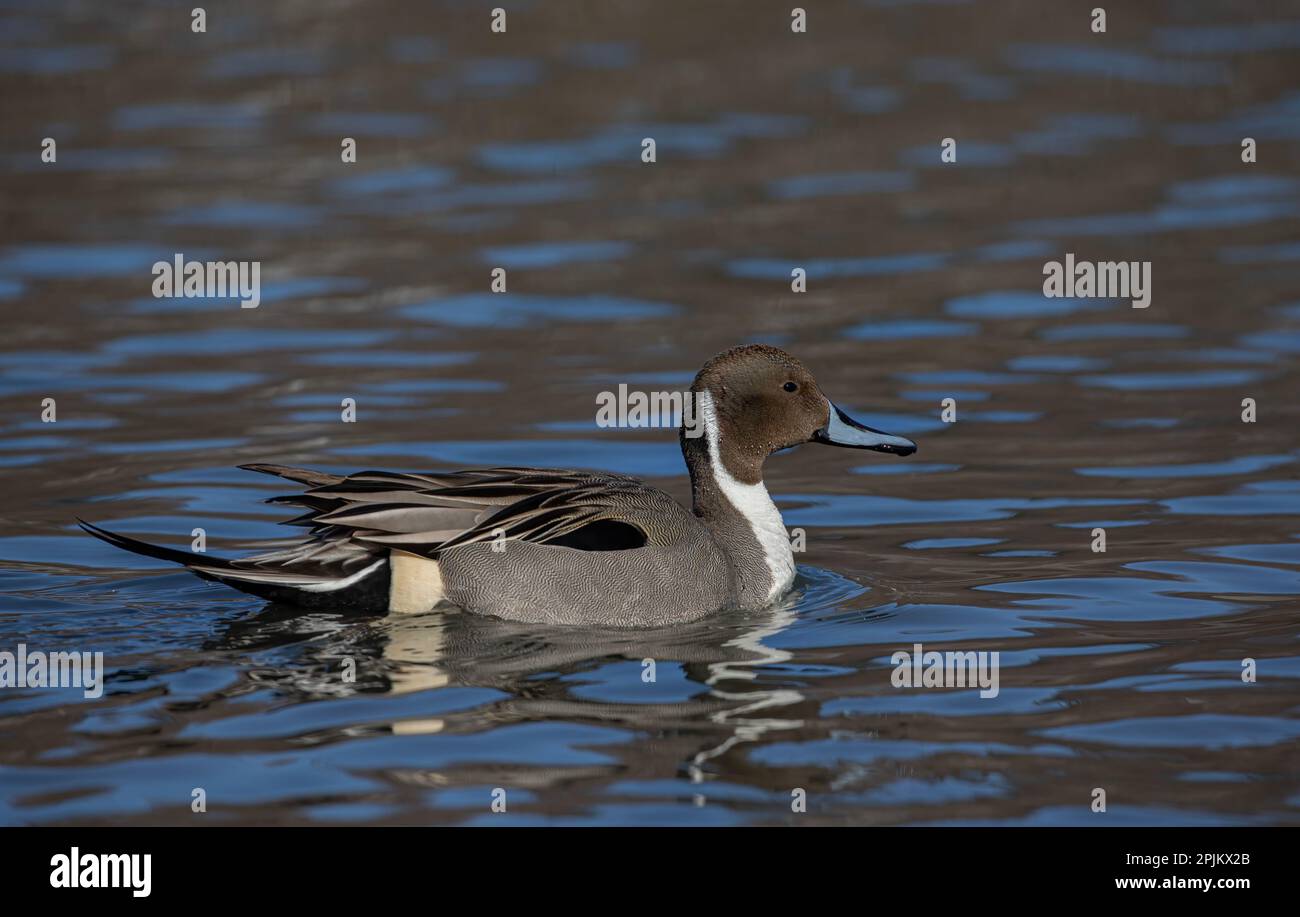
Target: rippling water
point(1120, 670)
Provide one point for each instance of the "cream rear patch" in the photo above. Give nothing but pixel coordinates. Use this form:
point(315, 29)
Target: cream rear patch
point(415, 583)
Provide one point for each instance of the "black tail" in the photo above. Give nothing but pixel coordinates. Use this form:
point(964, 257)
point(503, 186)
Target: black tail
point(369, 593)
point(136, 546)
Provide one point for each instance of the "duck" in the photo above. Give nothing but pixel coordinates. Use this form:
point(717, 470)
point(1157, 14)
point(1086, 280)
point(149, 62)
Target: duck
point(559, 546)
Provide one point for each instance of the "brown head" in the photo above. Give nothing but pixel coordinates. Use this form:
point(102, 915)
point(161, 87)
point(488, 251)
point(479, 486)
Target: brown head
point(762, 400)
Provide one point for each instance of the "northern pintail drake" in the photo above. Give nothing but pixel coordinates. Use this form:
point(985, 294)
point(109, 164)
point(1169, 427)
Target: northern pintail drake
point(559, 546)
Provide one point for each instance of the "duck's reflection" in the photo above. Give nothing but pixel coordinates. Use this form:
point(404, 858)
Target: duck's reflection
point(726, 655)
point(746, 726)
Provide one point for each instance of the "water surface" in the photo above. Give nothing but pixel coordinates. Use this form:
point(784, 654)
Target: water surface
point(1119, 670)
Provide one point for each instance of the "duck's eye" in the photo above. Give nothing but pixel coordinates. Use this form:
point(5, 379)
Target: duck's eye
point(791, 386)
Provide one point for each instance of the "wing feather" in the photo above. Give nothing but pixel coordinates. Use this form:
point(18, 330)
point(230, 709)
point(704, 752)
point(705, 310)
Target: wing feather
point(429, 513)
point(354, 520)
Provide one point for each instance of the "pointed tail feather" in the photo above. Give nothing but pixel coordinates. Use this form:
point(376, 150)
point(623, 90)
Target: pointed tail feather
point(137, 546)
point(359, 589)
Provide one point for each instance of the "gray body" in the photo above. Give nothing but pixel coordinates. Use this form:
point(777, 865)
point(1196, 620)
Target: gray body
point(690, 568)
point(649, 586)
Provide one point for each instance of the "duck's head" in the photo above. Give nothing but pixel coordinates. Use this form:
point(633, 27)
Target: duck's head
point(758, 400)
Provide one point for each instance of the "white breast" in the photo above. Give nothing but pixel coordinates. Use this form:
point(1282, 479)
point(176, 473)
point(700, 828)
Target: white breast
point(752, 502)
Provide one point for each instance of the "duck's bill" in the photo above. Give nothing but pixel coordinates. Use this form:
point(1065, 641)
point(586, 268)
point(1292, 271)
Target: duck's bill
point(843, 430)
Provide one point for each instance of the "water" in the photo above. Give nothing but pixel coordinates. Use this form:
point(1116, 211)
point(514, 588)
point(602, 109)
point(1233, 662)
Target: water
point(1119, 670)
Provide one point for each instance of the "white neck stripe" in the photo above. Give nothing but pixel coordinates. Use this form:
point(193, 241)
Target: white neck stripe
point(751, 501)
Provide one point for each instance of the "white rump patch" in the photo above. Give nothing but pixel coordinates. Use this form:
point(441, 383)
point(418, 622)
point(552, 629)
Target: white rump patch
point(415, 583)
point(752, 502)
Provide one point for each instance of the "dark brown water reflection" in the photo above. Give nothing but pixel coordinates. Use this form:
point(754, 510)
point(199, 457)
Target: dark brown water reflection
point(1119, 670)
